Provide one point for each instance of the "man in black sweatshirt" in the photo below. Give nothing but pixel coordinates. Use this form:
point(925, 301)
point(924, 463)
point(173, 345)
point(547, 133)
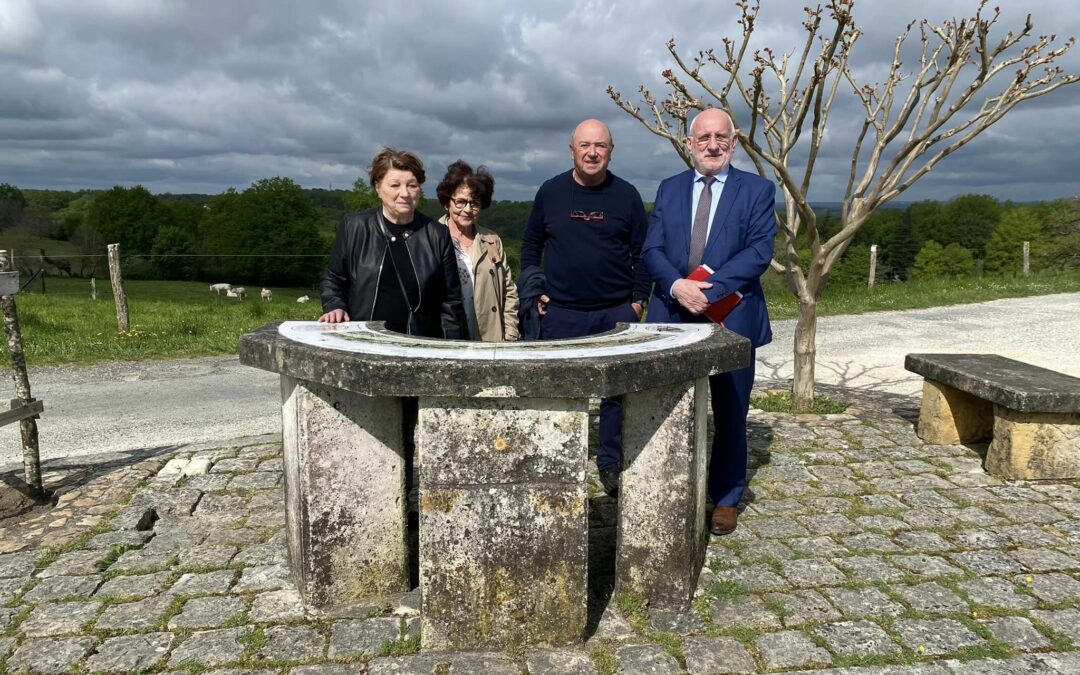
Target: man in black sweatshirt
point(588, 225)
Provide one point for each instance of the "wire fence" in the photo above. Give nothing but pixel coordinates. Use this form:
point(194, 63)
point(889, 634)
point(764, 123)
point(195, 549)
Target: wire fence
point(287, 276)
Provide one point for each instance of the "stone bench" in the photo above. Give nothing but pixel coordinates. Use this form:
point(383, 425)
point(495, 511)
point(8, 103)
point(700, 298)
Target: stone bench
point(501, 448)
point(1030, 414)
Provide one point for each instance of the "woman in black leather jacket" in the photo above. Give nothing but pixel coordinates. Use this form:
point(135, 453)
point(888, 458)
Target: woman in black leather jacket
point(392, 263)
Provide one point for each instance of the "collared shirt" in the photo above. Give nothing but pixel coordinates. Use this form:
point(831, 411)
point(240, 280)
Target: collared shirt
point(717, 190)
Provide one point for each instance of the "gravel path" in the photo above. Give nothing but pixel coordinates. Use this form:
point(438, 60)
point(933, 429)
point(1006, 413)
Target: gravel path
point(126, 406)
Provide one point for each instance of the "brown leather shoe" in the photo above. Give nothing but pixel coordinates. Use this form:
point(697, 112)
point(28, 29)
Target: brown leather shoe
point(724, 520)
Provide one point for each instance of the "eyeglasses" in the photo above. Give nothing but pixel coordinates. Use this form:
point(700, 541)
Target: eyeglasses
point(721, 139)
point(591, 215)
point(466, 203)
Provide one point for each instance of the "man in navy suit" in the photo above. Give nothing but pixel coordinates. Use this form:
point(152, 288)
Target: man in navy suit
point(725, 218)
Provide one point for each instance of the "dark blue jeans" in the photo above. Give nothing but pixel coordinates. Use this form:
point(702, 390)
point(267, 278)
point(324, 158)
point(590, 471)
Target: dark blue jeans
point(561, 323)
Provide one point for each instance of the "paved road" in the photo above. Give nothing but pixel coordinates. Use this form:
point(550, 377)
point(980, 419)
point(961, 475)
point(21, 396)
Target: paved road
point(867, 350)
point(157, 404)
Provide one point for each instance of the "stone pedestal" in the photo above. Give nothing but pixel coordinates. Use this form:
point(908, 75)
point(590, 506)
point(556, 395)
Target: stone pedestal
point(949, 416)
point(501, 449)
point(344, 493)
point(1034, 446)
point(503, 526)
point(662, 499)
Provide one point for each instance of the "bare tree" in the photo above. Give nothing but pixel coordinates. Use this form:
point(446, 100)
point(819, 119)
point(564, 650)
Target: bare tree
point(962, 82)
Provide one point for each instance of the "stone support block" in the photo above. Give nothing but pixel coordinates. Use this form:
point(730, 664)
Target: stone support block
point(503, 522)
point(344, 493)
point(1034, 446)
point(662, 534)
point(949, 416)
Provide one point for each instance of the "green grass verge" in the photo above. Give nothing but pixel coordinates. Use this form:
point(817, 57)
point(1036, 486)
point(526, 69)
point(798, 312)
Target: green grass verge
point(169, 319)
point(780, 401)
point(918, 294)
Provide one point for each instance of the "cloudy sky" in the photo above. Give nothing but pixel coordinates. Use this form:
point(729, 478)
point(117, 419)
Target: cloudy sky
point(198, 96)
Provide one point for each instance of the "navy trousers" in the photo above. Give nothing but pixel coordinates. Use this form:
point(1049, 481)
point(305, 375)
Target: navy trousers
point(730, 403)
point(561, 323)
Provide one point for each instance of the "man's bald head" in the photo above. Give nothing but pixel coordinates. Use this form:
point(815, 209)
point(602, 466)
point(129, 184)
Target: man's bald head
point(592, 128)
point(590, 148)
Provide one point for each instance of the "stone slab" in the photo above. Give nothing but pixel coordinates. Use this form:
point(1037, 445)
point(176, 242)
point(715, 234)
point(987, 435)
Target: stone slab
point(135, 586)
point(58, 618)
point(208, 612)
point(354, 638)
point(558, 662)
point(50, 655)
point(646, 660)
point(130, 653)
point(383, 363)
point(1007, 382)
point(55, 588)
point(210, 648)
point(707, 655)
point(937, 637)
point(291, 643)
point(857, 638)
point(789, 649)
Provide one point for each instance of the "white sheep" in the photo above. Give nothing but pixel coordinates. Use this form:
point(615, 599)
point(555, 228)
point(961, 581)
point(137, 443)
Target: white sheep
point(218, 288)
point(267, 295)
point(302, 299)
point(239, 292)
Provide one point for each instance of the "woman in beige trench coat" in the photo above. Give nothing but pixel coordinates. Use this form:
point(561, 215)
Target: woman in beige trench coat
point(487, 287)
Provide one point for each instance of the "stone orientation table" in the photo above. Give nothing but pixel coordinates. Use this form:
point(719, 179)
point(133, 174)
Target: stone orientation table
point(501, 449)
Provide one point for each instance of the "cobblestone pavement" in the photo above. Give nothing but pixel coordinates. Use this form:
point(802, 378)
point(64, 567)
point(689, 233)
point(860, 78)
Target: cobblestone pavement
point(860, 550)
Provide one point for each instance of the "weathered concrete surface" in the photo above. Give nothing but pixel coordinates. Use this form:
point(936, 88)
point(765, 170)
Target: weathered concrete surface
point(344, 493)
point(1007, 382)
point(661, 538)
point(391, 364)
point(1034, 446)
point(503, 522)
point(949, 416)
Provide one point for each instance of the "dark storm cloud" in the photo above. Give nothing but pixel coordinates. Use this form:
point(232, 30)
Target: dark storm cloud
point(200, 95)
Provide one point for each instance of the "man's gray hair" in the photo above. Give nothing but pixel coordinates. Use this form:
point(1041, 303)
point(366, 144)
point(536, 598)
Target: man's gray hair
point(731, 120)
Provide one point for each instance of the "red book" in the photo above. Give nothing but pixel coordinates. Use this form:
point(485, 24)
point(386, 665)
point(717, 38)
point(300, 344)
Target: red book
point(719, 310)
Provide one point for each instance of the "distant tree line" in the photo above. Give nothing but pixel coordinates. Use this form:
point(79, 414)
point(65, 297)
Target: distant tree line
point(958, 237)
point(277, 233)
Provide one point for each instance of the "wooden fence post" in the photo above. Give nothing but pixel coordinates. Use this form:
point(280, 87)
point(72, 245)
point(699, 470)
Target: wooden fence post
point(122, 322)
point(42, 279)
point(1027, 258)
point(93, 288)
point(873, 265)
point(27, 426)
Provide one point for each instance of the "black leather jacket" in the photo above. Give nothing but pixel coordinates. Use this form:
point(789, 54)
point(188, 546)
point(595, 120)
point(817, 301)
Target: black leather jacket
point(360, 250)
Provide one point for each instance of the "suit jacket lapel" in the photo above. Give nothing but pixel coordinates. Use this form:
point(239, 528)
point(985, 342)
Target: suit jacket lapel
point(684, 209)
point(727, 199)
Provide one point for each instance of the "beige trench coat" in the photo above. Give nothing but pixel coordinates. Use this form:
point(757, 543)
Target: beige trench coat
point(494, 291)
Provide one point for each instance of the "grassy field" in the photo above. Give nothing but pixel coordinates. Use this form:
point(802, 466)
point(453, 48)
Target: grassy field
point(169, 319)
point(174, 319)
point(920, 294)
